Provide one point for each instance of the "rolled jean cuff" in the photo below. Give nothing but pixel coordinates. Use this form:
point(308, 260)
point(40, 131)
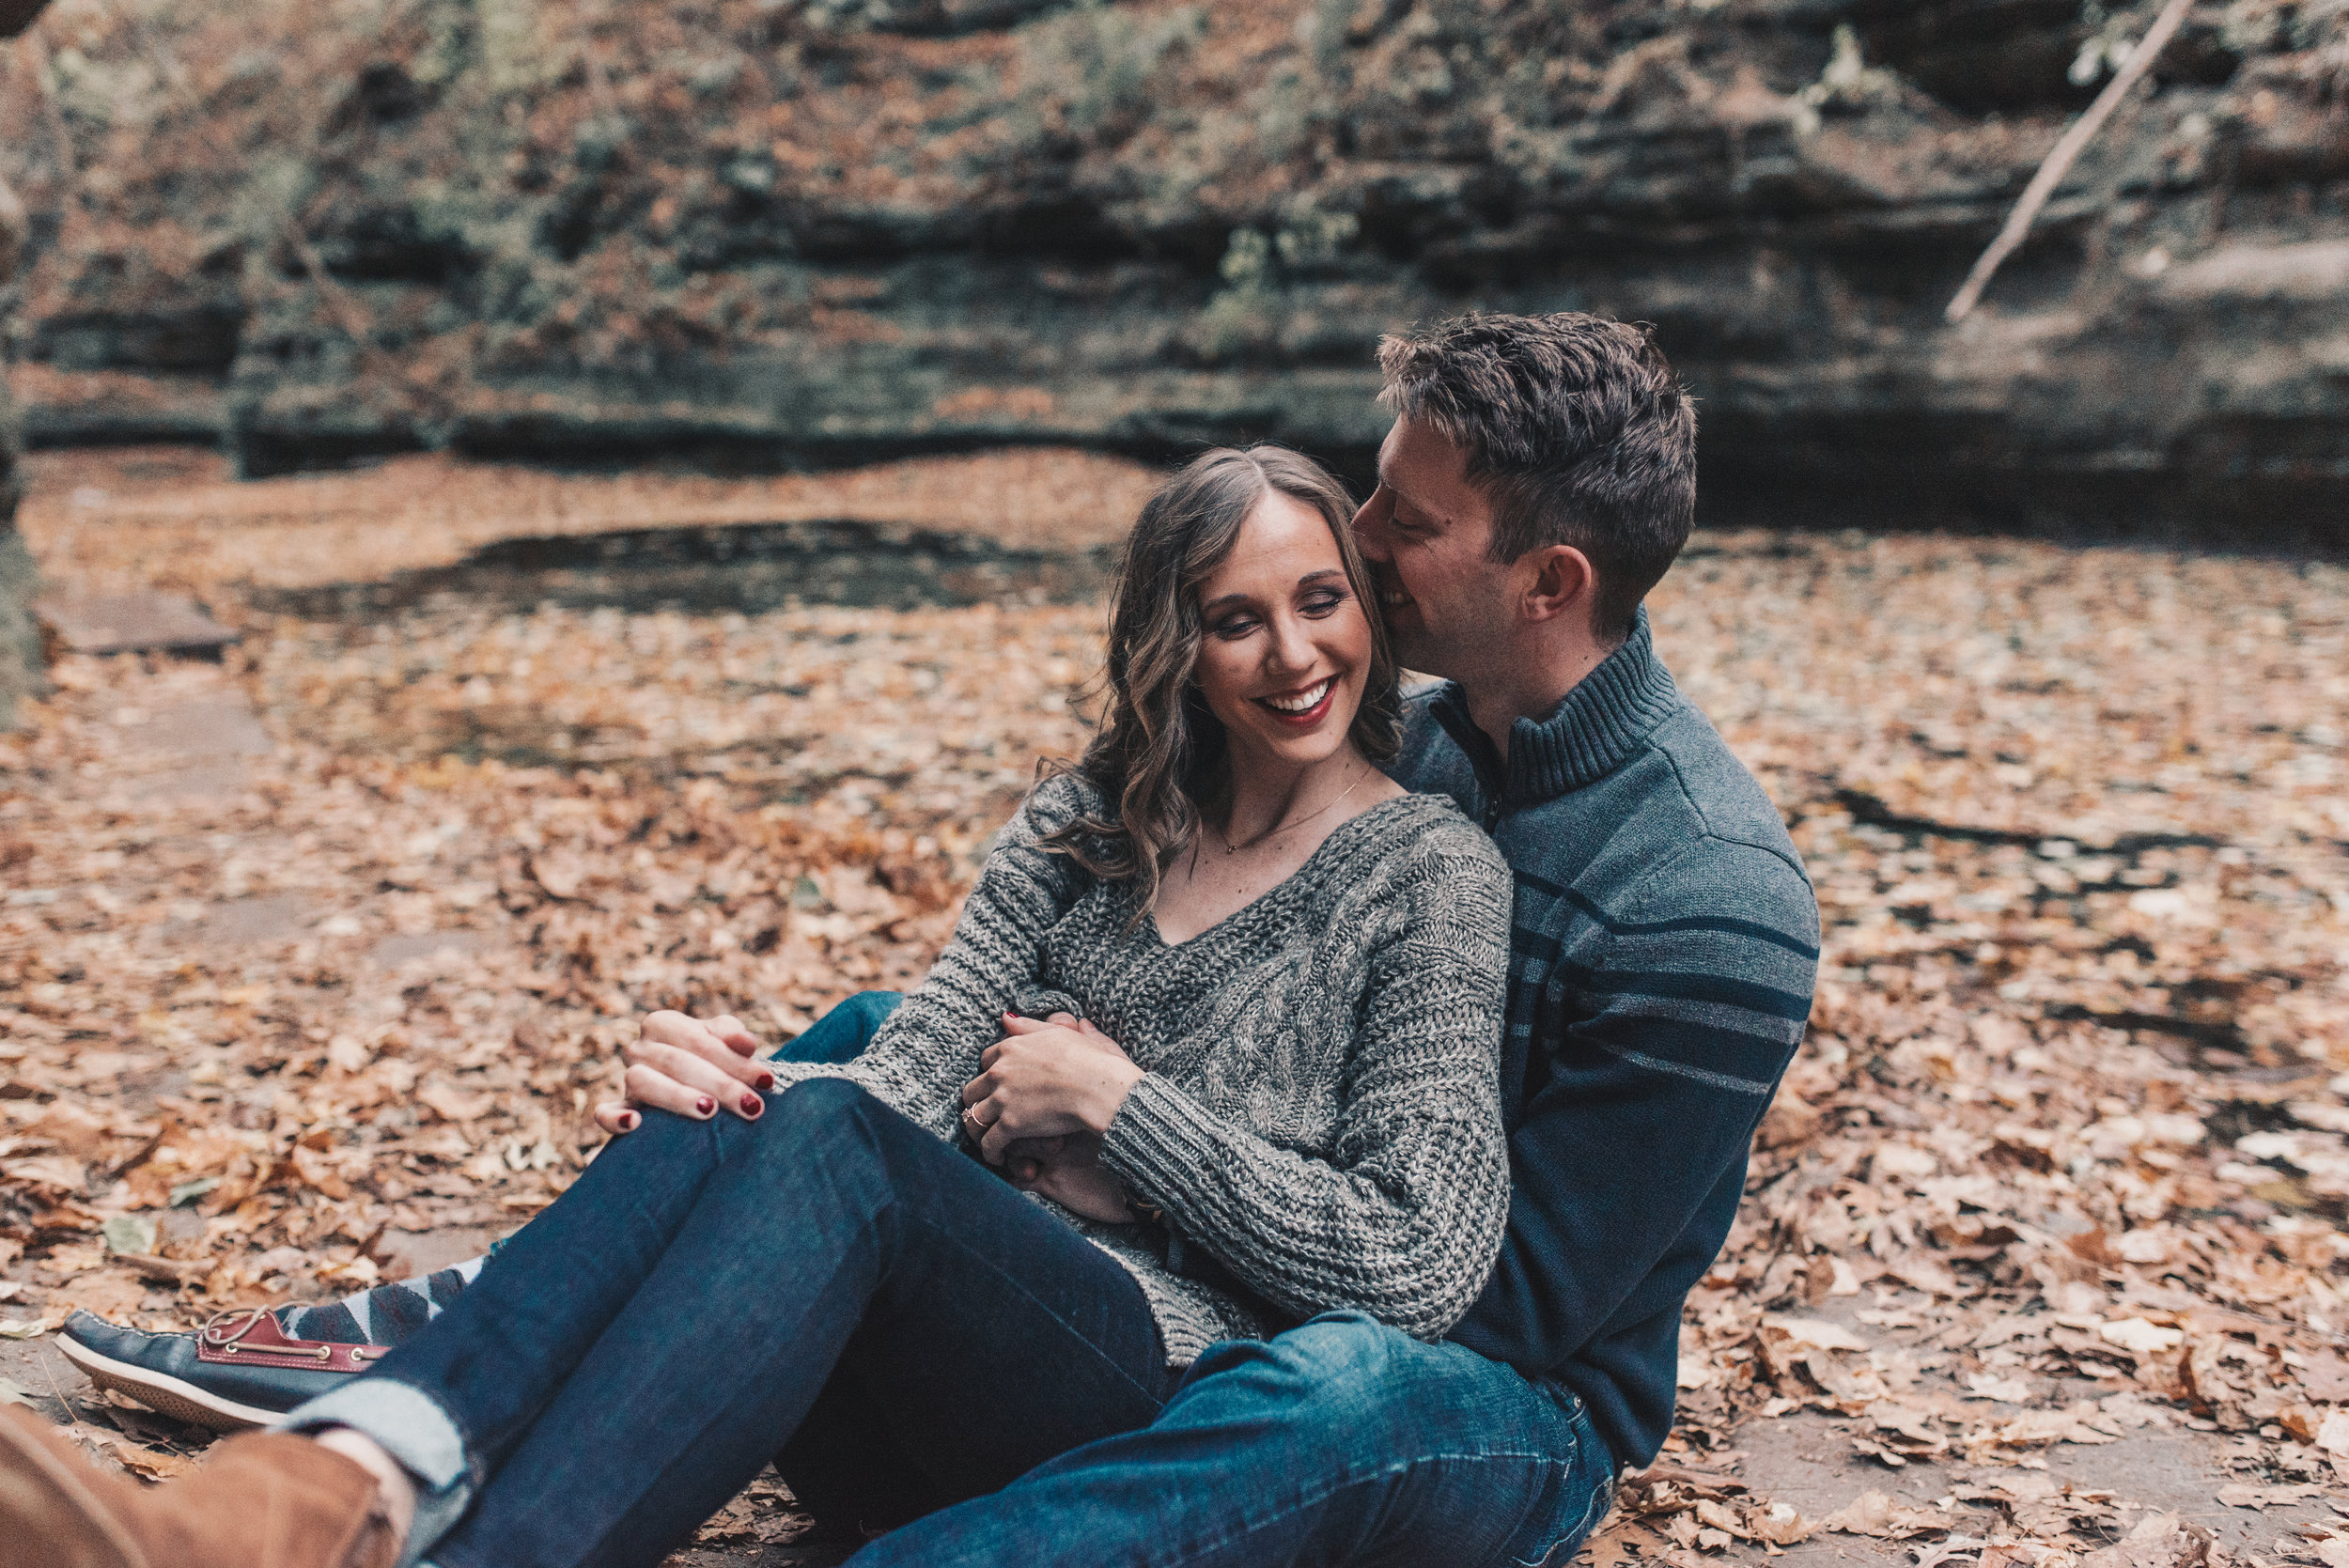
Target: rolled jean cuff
point(411, 1426)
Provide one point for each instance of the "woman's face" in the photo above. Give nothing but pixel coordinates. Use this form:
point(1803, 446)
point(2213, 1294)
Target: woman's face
point(1286, 648)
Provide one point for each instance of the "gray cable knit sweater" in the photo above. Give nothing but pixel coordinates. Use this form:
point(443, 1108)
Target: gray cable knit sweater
point(1320, 1116)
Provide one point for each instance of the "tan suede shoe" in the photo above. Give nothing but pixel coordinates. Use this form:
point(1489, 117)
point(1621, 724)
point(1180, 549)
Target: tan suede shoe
point(255, 1502)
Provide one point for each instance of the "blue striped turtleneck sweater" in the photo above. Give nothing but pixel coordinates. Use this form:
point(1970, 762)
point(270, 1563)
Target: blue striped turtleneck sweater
point(1663, 950)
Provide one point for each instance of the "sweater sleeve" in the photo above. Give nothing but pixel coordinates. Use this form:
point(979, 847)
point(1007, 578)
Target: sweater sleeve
point(929, 1047)
point(1403, 1218)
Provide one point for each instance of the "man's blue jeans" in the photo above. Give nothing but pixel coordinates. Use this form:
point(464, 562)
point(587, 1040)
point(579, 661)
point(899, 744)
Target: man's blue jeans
point(1340, 1442)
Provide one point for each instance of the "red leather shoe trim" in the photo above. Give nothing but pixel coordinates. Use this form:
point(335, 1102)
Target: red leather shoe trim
point(252, 1338)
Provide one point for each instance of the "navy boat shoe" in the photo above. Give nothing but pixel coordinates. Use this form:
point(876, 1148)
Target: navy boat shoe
point(237, 1371)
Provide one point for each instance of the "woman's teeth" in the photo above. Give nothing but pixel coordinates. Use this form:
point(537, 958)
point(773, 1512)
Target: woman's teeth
point(1302, 702)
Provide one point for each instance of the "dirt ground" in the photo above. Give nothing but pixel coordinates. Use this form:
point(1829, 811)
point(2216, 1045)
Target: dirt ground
point(311, 959)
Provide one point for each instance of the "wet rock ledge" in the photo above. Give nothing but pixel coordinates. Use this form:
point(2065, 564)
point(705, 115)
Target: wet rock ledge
point(759, 237)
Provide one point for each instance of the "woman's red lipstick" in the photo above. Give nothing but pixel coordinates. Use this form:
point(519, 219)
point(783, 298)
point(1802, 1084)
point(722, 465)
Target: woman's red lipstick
point(1303, 719)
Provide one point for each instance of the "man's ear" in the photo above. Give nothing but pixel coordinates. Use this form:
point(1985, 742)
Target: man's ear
point(1558, 579)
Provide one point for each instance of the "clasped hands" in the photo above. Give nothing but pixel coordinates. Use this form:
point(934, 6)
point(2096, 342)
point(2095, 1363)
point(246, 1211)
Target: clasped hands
point(1046, 1093)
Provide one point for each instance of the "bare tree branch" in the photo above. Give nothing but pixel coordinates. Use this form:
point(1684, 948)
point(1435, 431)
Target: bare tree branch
point(2060, 161)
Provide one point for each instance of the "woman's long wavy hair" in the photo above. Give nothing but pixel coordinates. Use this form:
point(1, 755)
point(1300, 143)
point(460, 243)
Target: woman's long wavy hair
point(1160, 754)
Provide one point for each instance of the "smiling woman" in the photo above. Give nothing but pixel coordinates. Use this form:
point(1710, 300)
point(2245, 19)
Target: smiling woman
point(1251, 691)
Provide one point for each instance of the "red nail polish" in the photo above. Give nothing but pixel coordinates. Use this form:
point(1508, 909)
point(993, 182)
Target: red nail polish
point(766, 1082)
point(752, 1104)
point(628, 1123)
point(705, 1105)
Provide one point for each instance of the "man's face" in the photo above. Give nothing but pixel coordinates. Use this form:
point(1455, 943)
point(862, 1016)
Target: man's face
point(1427, 534)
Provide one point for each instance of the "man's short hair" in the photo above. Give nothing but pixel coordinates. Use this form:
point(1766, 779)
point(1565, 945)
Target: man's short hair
point(1574, 428)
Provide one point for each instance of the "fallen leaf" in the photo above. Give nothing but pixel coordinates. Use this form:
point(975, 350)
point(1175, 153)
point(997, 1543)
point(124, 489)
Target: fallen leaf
point(2136, 1334)
point(453, 1104)
point(1784, 1526)
point(2326, 1378)
point(55, 1173)
point(115, 1294)
point(1814, 1333)
point(560, 873)
point(1875, 1513)
point(2007, 1390)
point(2157, 1541)
point(128, 1232)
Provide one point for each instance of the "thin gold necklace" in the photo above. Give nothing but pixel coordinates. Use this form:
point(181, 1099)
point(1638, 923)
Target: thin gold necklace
point(1231, 849)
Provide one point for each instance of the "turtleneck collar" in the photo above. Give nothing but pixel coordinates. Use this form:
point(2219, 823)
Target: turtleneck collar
point(1592, 732)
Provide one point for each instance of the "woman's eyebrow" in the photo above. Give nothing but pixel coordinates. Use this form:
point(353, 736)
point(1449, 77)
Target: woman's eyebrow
point(1240, 598)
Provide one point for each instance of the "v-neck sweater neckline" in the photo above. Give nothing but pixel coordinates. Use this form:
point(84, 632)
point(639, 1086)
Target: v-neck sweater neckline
point(1264, 899)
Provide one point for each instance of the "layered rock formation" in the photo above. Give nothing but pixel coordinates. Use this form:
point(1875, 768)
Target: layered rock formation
point(771, 233)
point(19, 640)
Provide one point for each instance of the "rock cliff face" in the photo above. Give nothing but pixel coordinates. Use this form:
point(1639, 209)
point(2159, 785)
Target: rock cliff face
point(19, 640)
point(767, 233)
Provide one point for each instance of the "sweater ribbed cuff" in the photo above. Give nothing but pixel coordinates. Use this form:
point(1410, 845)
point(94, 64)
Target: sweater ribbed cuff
point(1158, 1139)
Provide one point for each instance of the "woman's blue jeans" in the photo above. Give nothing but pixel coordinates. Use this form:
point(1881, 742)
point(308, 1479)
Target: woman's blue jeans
point(708, 1289)
point(1339, 1442)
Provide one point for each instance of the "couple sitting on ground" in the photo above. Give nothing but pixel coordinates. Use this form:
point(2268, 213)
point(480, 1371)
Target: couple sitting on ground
point(1299, 1154)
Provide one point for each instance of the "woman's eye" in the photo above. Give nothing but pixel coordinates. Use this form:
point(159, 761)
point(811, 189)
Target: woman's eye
point(1237, 626)
point(1321, 604)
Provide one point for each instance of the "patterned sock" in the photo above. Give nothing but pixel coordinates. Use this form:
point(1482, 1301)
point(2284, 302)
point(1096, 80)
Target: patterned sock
point(382, 1314)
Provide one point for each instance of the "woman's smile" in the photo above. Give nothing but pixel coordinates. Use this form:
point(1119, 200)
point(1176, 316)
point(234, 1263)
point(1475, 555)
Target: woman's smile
point(1303, 707)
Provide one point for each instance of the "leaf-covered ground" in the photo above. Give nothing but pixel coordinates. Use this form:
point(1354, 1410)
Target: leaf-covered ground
point(328, 946)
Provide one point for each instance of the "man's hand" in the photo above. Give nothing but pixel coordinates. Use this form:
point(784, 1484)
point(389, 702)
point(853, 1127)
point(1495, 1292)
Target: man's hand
point(691, 1066)
point(1045, 1079)
point(1068, 1171)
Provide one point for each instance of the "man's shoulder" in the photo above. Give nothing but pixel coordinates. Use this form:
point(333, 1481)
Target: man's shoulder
point(1684, 798)
point(1681, 799)
point(1681, 834)
point(1721, 792)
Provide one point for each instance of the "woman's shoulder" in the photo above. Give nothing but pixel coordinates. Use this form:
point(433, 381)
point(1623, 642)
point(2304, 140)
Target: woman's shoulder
point(1422, 837)
point(1429, 879)
point(1057, 800)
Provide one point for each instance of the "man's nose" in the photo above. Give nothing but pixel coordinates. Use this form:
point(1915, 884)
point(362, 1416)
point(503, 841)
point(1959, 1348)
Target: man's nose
point(1370, 534)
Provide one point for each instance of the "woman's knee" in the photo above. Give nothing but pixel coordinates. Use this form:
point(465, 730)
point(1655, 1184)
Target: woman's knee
point(827, 1119)
point(662, 1138)
point(823, 1105)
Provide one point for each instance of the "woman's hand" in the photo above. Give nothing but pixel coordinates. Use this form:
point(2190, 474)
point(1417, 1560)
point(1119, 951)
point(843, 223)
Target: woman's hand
point(691, 1066)
point(1045, 1079)
point(1068, 1171)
